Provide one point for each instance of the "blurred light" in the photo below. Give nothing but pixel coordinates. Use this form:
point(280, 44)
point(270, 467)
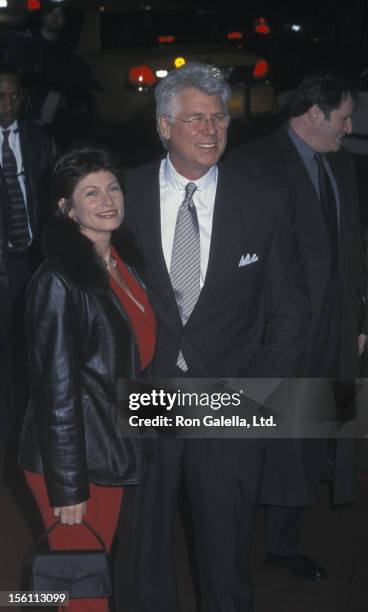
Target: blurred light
point(260, 69)
point(3, 3)
point(141, 75)
point(161, 73)
point(102, 8)
point(33, 5)
point(179, 61)
point(261, 26)
point(166, 39)
point(140, 88)
point(296, 27)
point(235, 35)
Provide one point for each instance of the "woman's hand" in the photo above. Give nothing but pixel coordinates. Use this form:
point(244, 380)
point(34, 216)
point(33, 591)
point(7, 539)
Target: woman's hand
point(71, 515)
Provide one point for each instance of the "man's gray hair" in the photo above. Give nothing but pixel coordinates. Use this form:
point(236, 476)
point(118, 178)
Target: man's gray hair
point(204, 77)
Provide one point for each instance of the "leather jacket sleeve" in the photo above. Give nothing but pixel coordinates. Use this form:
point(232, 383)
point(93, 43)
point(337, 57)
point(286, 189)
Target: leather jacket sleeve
point(53, 320)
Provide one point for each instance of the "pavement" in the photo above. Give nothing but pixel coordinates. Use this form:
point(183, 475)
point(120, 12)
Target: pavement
point(337, 537)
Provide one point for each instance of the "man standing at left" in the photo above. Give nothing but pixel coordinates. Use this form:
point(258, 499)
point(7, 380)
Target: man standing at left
point(26, 155)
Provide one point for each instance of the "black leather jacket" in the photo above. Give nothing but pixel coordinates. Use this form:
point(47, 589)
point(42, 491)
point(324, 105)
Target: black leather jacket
point(80, 343)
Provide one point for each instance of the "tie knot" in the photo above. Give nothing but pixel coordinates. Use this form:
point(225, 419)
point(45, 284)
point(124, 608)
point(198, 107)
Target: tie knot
point(190, 188)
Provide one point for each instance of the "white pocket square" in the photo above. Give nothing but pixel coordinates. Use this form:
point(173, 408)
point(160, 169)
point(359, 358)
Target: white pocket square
point(247, 259)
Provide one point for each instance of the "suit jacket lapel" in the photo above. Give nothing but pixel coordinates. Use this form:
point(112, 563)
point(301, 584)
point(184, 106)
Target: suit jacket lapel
point(309, 215)
point(337, 168)
point(152, 236)
point(221, 237)
point(30, 170)
point(310, 225)
point(224, 246)
point(225, 217)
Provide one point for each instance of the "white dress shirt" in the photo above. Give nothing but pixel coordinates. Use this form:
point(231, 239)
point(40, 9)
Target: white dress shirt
point(172, 194)
point(14, 144)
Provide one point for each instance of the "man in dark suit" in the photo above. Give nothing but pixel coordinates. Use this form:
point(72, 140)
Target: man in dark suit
point(26, 155)
point(245, 315)
point(305, 155)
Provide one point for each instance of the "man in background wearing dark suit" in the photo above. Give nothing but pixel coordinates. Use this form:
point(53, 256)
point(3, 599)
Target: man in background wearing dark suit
point(305, 156)
point(229, 298)
point(26, 156)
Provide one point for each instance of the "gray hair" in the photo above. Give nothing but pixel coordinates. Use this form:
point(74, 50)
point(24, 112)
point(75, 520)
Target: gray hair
point(204, 77)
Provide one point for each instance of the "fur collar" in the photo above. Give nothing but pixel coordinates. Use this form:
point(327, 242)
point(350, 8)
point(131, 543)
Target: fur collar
point(64, 246)
point(74, 254)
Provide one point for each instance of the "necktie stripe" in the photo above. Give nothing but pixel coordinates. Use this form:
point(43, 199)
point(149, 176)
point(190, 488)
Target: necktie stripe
point(182, 261)
point(185, 261)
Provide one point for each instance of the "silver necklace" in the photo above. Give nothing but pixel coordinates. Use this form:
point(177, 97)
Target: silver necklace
point(110, 262)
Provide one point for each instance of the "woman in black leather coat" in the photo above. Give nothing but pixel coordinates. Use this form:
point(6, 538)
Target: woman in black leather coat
point(89, 323)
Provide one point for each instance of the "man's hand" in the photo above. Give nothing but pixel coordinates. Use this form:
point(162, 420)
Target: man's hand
point(362, 343)
point(71, 515)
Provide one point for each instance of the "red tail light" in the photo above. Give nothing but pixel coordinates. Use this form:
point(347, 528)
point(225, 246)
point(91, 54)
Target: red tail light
point(166, 39)
point(141, 75)
point(260, 69)
point(33, 5)
point(235, 35)
point(261, 26)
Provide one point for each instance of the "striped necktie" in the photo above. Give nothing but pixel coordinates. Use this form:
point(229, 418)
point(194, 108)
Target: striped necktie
point(19, 236)
point(186, 260)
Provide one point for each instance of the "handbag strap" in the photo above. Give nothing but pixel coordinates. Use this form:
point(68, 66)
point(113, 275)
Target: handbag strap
point(48, 531)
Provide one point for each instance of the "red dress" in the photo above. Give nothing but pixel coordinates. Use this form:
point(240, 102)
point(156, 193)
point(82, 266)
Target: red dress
point(143, 322)
point(103, 506)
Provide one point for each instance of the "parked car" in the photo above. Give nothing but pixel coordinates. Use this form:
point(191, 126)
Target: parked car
point(136, 48)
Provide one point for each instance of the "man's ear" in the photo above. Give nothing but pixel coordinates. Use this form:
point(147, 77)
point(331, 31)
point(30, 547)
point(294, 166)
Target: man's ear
point(315, 115)
point(165, 127)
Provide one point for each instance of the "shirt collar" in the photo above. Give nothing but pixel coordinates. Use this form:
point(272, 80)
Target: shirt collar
point(12, 128)
point(179, 182)
point(305, 150)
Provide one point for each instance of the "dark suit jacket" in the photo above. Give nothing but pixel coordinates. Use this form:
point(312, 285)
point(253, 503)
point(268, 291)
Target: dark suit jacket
point(37, 156)
point(276, 160)
point(249, 320)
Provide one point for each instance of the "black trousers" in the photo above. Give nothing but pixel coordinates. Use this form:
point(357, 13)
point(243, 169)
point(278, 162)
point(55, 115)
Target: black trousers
point(222, 478)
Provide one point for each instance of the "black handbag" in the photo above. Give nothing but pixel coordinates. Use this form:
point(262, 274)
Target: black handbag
point(83, 573)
